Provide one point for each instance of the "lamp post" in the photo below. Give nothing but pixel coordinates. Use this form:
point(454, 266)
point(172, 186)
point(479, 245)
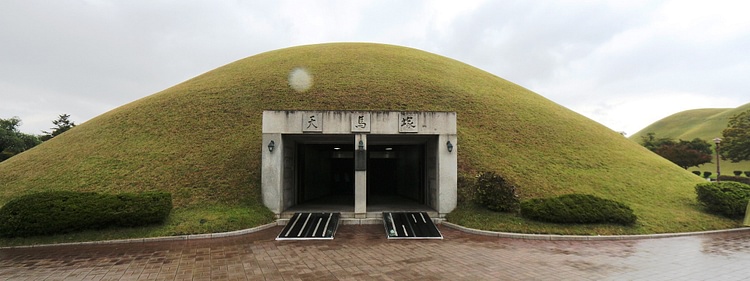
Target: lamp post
point(717, 141)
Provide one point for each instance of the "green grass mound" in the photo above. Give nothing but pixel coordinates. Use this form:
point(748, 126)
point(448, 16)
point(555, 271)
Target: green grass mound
point(706, 124)
point(201, 140)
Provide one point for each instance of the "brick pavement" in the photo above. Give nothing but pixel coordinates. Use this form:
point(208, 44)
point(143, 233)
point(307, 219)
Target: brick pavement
point(362, 252)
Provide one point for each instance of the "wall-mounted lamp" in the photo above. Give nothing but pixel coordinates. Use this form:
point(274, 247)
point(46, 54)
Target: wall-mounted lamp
point(450, 146)
point(271, 145)
point(361, 145)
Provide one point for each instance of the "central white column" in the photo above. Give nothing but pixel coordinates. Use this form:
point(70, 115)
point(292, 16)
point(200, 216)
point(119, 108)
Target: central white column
point(360, 176)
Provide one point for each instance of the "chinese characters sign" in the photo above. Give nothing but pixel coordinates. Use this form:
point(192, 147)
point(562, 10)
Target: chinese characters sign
point(361, 122)
point(408, 123)
point(312, 122)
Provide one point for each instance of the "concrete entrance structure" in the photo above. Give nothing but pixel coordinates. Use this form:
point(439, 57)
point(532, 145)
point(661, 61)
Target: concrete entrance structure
point(359, 156)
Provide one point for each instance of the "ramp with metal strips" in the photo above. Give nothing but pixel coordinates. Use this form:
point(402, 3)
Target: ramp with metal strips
point(410, 225)
point(310, 226)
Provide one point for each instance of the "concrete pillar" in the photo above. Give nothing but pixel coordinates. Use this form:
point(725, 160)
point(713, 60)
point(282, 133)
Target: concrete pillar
point(447, 174)
point(271, 169)
point(360, 179)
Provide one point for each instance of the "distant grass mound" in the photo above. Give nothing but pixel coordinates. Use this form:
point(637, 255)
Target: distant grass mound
point(201, 140)
point(706, 123)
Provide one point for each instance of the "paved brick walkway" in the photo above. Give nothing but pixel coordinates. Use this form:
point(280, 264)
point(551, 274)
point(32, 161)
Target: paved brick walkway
point(363, 253)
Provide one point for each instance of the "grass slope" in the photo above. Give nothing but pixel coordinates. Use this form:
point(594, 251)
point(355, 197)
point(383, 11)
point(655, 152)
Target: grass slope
point(707, 124)
point(201, 139)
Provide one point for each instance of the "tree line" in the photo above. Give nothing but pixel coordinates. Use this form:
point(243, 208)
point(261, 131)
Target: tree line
point(735, 145)
point(13, 142)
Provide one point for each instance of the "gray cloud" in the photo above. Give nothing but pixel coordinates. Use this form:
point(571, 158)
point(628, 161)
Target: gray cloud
point(606, 60)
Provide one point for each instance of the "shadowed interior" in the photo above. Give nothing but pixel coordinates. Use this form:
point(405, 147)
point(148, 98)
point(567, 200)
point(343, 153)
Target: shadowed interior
point(396, 178)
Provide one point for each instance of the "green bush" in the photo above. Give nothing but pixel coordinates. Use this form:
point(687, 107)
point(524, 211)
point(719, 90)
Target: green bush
point(66, 211)
point(744, 180)
point(578, 208)
point(737, 173)
point(747, 173)
point(465, 189)
point(707, 174)
point(142, 209)
point(726, 198)
point(697, 173)
point(493, 192)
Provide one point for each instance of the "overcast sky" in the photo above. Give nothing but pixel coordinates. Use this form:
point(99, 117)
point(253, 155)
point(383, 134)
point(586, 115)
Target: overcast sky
point(625, 64)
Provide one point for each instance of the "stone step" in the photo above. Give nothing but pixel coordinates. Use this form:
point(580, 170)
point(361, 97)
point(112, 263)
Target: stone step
point(348, 218)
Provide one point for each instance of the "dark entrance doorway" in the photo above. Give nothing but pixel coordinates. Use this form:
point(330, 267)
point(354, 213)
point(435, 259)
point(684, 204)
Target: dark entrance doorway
point(323, 173)
point(326, 174)
point(395, 175)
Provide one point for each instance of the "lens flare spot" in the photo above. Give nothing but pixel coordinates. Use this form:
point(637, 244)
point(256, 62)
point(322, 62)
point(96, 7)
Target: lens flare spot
point(300, 80)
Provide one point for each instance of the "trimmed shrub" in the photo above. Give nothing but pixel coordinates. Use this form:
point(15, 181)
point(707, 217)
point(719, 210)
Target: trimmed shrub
point(737, 173)
point(747, 173)
point(578, 208)
point(744, 180)
point(493, 192)
point(67, 211)
point(726, 198)
point(141, 209)
point(707, 174)
point(697, 173)
point(465, 189)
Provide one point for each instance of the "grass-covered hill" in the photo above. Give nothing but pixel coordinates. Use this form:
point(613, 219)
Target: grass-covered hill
point(707, 124)
point(201, 139)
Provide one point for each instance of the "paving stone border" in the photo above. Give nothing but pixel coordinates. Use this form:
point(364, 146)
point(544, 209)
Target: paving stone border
point(587, 237)
point(158, 239)
point(445, 223)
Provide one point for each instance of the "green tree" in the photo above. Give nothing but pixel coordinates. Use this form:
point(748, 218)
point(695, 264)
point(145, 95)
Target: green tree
point(650, 142)
point(12, 141)
point(686, 153)
point(736, 143)
point(683, 153)
point(62, 124)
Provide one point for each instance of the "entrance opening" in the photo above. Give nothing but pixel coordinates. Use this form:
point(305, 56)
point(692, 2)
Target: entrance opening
point(311, 161)
point(322, 176)
point(395, 175)
point(326, 175)
point(398, 173)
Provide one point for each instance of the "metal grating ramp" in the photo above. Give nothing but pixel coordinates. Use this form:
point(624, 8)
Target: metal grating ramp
point(410, 225)
point(310, 226)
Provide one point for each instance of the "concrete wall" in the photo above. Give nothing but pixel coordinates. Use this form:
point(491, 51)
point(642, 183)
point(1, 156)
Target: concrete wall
point(440, 164)
point(342, 122)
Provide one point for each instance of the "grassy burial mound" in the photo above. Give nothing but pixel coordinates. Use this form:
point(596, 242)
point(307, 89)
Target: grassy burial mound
point(201, 140)
point(706, 123)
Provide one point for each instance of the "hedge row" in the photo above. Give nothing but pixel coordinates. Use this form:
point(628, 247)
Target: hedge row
point(578, 208)
point(726, 198)
point(736, 173)
point(66, 211)
point(744, 180)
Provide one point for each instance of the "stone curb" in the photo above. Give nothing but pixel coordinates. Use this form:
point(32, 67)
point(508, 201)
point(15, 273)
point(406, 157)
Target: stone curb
point(448, 224)
point(156, 239)
point(554, 237)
